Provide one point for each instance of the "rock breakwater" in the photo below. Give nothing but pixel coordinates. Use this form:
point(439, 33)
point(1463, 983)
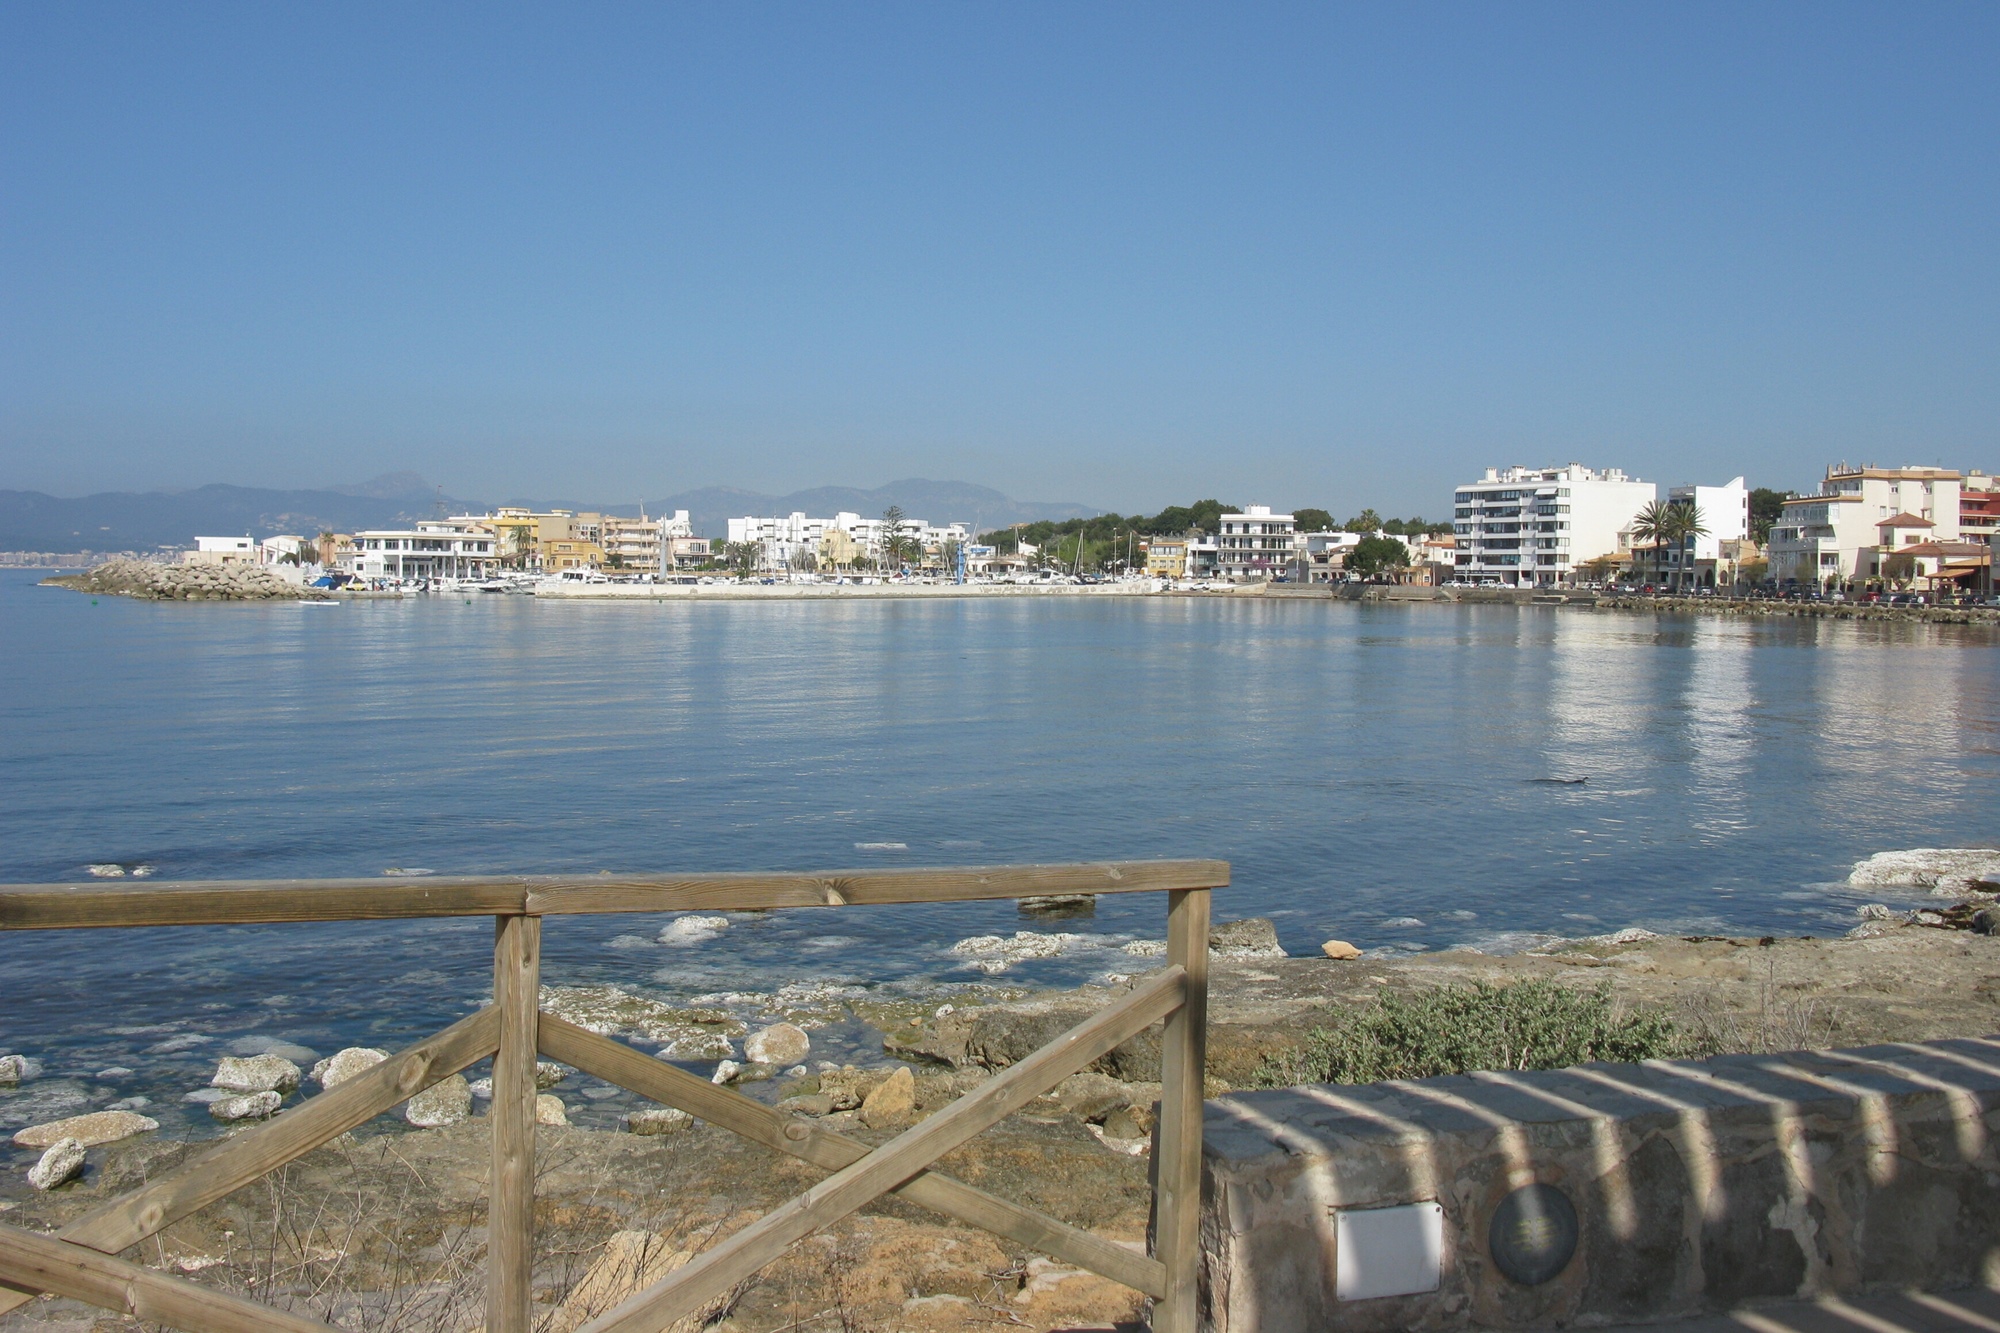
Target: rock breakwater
point(180, 583)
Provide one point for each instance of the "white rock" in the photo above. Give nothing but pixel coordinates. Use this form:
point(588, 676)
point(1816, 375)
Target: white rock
point(1875, 912)
point(548, 1073)
point(247, 1106)
point(89, 1130)
point(726, 1072)
point(445, 1102)
point(258, 1073)
point(549, 1110)
point(17, 1069)
point(658, 1120)
point(779, 1044)
point(1941, 869)
point(62, 1162)
point(343, 1065)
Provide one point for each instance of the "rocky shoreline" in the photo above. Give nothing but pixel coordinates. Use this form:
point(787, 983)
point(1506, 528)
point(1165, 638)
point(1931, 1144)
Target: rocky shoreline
point(1766, 609)
point(672, 1184)
point(180, 583)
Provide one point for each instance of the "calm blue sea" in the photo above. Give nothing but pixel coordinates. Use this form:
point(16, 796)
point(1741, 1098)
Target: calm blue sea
point(1374, 773)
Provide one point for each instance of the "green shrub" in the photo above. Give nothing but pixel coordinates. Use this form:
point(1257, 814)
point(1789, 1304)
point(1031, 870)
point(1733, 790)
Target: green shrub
point(1533, 1024)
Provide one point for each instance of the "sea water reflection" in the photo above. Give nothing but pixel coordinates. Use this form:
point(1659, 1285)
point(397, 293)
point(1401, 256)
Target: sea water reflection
point(1400, 776)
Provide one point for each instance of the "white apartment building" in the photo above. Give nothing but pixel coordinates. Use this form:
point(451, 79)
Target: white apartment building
point(1710, 559)
point(1255, 544)
point(1533, 527)
point(785, 539)
point(437, 548)
point(1861, 516)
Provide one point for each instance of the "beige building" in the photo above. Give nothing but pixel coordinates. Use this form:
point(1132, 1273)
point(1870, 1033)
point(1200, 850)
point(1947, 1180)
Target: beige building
point(1167, 557)
point(1860, 517)
point(570, 553)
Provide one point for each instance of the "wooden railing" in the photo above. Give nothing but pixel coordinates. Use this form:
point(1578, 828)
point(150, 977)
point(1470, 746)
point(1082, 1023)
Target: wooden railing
point(81, 1262)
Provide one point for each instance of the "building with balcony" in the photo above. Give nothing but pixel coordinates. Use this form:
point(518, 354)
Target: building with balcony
point(1861, 516)
point(1167, 557)
point(1255, 544)
point(1535, 527)
point(440, 548)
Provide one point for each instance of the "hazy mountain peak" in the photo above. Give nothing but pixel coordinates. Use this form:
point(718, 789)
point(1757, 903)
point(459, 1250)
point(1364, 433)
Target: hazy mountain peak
point(407, 486)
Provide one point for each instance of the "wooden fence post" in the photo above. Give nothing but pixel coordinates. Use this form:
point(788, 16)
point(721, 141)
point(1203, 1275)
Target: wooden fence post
point(1177, 1163)
point(510, 1203)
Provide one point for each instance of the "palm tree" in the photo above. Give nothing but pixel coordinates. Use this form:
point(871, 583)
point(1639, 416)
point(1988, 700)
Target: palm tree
point(1680, 526)
point(1650, 525)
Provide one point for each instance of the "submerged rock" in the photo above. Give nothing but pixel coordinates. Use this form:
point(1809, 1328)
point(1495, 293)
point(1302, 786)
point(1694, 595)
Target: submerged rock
point(1059, 905)
point(445, 1102)
point(1253, 937)
point(89, 1130)
point(249, 1106)
point(779, 1044)
point(61, 1163)
point(257, 1073)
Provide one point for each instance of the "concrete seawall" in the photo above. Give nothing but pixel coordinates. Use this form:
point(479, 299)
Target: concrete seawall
point(1602, 1194)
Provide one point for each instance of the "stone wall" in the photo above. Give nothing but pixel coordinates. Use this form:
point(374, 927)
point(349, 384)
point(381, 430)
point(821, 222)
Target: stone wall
point(1687, 1187)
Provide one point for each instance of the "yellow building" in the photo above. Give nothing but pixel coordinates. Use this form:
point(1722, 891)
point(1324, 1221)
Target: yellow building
point(522, 531)
point(1166, 557)
point(570, 553)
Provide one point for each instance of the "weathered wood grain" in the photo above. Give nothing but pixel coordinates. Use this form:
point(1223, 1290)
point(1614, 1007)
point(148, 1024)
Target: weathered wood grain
point(510, 1200)
point(1177, 1151)
point(239, 902)
point(45, 1263)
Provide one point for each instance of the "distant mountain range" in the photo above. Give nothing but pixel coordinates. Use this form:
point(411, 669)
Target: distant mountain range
point(140, 521)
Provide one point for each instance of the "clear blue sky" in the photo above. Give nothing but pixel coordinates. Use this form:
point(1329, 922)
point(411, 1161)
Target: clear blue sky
point(1121, 254)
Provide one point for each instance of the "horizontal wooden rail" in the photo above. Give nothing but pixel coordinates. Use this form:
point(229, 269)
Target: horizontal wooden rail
point(247, 902)
point(650, 1077)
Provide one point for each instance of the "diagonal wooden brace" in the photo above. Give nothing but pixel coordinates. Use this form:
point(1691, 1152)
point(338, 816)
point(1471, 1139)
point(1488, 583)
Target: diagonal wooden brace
point(48, 1264)
point(231, 1165)
point(662, 1082)
point(717, 1270)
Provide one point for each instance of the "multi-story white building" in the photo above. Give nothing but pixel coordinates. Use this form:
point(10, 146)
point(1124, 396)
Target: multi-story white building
point(1255, 544)
point(1861, 516)
point(1710, 558)
point(1534, 527)
point(786, 539)
point(436, 548)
